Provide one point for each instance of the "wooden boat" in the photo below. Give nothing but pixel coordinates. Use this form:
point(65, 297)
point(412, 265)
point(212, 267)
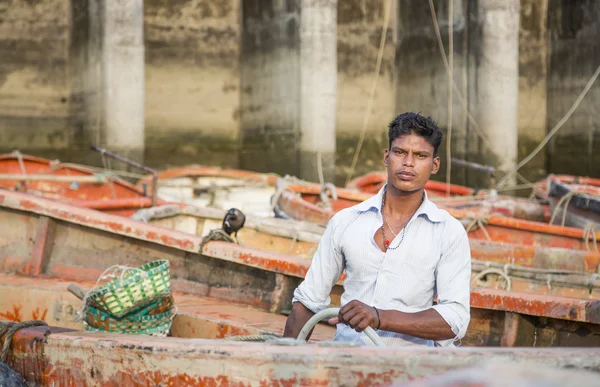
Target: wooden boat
point(575, 205)
point(541, 187)
point(72, 183)
point(529, 210)
point(528, 269)
point(304, 202)
point(201, 350)
point(63, 241)
point(206, 186)
point(507, 374)
point(276, 235)
point(373, 181)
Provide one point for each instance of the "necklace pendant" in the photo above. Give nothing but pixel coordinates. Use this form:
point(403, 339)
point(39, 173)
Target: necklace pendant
point(386, 243)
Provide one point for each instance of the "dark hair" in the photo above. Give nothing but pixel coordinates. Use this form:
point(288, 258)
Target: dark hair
point(407, 123)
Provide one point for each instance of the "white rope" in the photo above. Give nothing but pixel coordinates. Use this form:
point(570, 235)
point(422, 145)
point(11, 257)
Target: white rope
point(450, 93)
point(459, 95)
point(564, 204)
point(501, 273)
point(592, 282)
point(560, 123)
point(386, 20)
point(589, 232)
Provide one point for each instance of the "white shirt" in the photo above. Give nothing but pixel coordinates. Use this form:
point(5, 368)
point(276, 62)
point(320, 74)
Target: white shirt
point(434, 258)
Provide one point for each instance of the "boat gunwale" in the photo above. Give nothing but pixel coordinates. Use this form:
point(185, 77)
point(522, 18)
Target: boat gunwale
point(551, 306)
point(72, 166)
point(198, 171)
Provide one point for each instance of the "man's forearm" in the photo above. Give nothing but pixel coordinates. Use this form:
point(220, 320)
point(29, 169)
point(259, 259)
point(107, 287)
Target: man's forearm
point(296, 320)
point(427, 324)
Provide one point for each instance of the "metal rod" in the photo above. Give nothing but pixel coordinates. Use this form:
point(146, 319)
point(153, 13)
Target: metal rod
point(80, 179)
point(135, 164)
point(491, 171)
point(472, 165)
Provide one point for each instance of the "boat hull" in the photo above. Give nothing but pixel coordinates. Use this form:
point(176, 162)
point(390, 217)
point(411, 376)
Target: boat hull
point(87, 189)
point(79, 244)
point(206, 186)
point(80, 358)
point(574, 205)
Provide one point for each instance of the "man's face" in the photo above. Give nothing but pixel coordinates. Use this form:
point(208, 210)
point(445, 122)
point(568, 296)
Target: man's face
point(410, 162)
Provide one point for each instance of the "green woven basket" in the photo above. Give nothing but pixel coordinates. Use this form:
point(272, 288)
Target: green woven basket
point(137, 288)
point(156, 314)
point(162, 330)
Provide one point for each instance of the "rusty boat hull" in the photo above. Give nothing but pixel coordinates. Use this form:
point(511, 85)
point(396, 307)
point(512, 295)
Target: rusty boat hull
point(40, 238)
point(76, 184)
point(575, 205)
point(200, 351)
point(373, 181)
point(303, 202)
point(521, 268)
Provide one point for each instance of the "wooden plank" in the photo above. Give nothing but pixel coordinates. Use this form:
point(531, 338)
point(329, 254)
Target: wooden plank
point(42, 248)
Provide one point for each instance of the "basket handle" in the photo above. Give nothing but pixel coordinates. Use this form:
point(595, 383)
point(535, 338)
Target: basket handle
point(76, 291)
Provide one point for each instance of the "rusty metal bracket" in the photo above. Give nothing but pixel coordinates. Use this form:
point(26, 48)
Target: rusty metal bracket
point(135, 164)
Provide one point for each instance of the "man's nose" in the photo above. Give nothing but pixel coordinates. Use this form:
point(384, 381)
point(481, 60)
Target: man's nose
point(409, 160)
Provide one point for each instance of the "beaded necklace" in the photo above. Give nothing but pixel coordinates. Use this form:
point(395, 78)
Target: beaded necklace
point(386, 243)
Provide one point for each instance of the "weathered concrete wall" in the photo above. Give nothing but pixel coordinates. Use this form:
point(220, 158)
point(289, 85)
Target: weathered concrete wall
point(270, 83)
point(192, 81)
point(34, 84)
point(106, 74)
point(574, 31)
point(533, 63)
point(360, 25)
point(422, 81)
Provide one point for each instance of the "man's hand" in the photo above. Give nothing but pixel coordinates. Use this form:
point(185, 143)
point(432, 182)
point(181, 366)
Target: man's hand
point(357, 315)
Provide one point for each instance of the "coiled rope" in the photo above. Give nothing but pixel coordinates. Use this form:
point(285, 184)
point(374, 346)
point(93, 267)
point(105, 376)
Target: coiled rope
point(12, 328)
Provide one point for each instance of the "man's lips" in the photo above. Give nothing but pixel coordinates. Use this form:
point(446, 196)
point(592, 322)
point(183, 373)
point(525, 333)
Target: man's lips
point(404, 175)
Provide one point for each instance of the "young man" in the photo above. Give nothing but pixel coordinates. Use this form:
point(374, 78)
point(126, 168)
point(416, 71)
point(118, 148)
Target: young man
point(398, 250)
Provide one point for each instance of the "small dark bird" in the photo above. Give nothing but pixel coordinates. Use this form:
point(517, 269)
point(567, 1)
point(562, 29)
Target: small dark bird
point(10, 378)
point(233, 221)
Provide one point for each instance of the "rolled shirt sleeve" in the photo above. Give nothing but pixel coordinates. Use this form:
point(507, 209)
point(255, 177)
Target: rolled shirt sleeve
point(453, 275)
point(325, 270)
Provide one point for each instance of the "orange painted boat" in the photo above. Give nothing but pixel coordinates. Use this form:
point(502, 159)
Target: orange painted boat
point(225, 290)
point(76, 243)
point(528, 269)
point(72, 183)
point(201, 350)
point(541, 187)
point(576, 205)
point(373, 181)
point(483, 222)
point(196, 354)
point(206, 186)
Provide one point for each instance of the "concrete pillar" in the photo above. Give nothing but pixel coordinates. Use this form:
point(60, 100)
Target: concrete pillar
point(123, 76)
point(107, 67)
point(288, 83)
point(318, 84)
point(533, 65)
point(498, 80)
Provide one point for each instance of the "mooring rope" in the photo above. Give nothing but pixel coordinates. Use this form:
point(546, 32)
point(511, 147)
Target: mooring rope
point(12, 328)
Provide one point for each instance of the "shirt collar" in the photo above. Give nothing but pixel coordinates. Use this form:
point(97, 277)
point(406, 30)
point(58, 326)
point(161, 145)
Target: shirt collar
point(427, 208)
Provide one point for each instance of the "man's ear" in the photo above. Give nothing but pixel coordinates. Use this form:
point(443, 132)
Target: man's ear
point(436, 165)
point(386, 157)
